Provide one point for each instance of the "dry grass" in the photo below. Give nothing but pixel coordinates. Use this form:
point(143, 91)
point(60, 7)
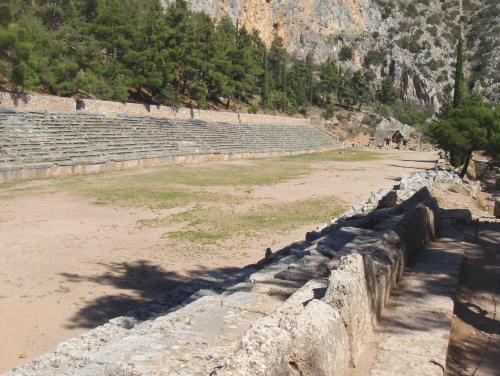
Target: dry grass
point(211, 225)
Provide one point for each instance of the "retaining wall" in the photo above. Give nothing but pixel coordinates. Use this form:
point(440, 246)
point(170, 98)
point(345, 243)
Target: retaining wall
point(308, 309)
point(40, 102)
point(41, 144)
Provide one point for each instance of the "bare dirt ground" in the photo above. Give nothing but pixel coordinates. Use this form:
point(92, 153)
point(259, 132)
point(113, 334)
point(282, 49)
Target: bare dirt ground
point(79, 251)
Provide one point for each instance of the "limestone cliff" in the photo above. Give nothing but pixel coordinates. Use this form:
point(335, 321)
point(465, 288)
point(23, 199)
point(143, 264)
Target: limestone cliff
point(417, 37)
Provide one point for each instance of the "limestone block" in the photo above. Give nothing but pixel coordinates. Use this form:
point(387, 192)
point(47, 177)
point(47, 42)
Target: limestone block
point(348, 293)
point(320, 341)
point(309, 340)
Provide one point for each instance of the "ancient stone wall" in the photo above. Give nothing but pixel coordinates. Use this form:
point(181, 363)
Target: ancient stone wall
point(308, 309)
point(40, 102)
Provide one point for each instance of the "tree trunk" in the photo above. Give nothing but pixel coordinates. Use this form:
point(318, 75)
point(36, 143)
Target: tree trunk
point(466, 166)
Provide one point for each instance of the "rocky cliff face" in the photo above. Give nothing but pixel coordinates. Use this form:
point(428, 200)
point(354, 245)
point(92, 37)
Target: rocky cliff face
point(417, 37)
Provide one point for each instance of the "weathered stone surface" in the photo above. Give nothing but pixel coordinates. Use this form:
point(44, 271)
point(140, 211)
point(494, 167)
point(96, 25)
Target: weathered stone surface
point(457, 215)
point(306, 336)
point(348, 293)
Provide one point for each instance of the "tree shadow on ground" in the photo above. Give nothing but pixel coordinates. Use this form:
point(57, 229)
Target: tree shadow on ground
point(481, 275)
point(145, 289)
point(475, 342)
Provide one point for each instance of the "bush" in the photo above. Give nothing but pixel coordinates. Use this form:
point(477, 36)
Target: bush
point(432, 30)
point(443, 76)
point(434, 64)
point(329, 112)
point(411, 10)
point(253, 109)
point(383, 111)
point(434, 19)
point(386, 11)
point(374, 58)
point(345, 53)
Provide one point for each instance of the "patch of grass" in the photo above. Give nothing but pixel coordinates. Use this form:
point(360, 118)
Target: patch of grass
point(62, 289)
point(10, 191)
point(211, 225)
point(134, 189)
point(174, 186)
point(348, 155)
point(258, 172)
point(194, 236)
point(135, 195)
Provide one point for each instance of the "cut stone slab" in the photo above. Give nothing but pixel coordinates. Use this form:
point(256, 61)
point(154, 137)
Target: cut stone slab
point(348, 293)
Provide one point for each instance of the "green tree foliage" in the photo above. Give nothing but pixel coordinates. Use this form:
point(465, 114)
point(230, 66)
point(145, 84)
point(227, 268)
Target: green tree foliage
point(459, 89)
point(387, 93)
point(374, 58)
point(123, 50)
point(139, 50)
point(471, 126)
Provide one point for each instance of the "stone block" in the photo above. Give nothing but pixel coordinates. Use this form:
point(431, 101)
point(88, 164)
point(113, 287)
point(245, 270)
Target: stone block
point(348, 293)
point(307, 340)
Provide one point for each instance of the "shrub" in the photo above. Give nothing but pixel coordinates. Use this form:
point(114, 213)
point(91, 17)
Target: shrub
point(411, 10)
point(383, 111)
point(432, 30)
point(404, 27)
point(434, 64)
point(253, 109)
point(386, 11)
point(374, 57)
point(345, 53)
point(329, 112)
point(443, 76)
point(434, 19)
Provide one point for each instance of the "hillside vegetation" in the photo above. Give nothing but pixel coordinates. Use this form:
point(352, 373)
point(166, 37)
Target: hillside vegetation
point(144, 51)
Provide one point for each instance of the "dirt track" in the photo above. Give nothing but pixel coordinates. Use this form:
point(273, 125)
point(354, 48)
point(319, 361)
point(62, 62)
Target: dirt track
point(70, 264)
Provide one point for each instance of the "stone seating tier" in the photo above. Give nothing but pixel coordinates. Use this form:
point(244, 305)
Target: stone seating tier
point(33, 139)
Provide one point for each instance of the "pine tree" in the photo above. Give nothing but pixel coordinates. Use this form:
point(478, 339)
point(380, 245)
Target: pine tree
point(266, 90)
